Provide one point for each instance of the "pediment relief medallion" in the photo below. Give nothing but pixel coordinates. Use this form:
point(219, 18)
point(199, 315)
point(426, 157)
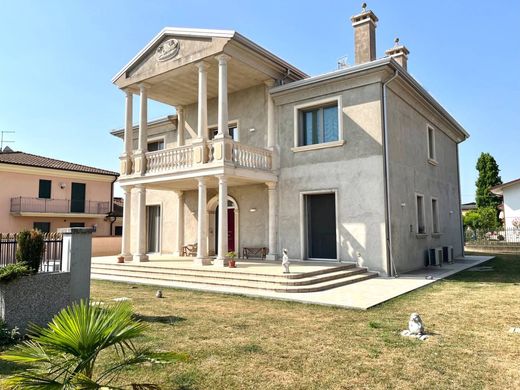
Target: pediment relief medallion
point(167, 50)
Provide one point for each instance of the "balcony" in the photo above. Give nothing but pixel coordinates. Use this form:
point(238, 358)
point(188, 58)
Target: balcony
point(22, 206)
point(217, 156)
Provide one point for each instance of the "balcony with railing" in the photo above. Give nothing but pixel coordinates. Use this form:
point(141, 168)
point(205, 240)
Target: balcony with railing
point(213, 153)
point(30, 206)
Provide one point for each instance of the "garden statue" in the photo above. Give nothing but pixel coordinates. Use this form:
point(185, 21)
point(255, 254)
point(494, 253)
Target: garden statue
point(285, 262)
point(158, 294)
point(415, 328)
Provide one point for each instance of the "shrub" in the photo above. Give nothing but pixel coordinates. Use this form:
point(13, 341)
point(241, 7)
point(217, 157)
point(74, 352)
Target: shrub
point(30, 248)
point(484, 218)
point(13, 271)
point(8, 336)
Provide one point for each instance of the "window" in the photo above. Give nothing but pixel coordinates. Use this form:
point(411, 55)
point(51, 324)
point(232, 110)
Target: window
point(156, 145)
point(44, 191)
point(435, 216)
point(432, 157)
point(232, 128)
point(44, 227)
point(419, 201)
point(118, 230)
point(318, 124)
point(77, 224)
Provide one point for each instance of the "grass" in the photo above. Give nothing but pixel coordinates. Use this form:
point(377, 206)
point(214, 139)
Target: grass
point(248, 343)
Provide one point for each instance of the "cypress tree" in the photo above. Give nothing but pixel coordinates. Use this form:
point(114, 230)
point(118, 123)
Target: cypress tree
point(488, 176)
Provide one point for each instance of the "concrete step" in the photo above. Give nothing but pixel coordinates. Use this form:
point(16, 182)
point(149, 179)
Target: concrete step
point(219, 271)
point(225, 278)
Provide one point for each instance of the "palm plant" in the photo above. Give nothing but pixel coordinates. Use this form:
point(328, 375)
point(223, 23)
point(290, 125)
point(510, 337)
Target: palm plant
point(66, 351)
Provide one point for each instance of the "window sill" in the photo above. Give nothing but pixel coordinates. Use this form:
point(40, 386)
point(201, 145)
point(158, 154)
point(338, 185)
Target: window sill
point(436, 235)
point(421, 236)
point(324, 145)
point(433, 162)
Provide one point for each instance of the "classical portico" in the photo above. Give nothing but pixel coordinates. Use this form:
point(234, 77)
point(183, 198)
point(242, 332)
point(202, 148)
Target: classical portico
point(187, 69)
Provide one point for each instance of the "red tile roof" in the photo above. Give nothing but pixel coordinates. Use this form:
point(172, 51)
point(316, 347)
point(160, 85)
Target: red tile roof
point(32, 160)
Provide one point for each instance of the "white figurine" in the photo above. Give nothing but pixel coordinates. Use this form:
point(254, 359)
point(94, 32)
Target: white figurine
point(285, 262)
point(415, 325)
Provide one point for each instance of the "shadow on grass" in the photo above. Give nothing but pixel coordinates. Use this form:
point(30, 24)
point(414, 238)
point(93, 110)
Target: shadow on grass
point(10, 368)
point(170, 320)
point(505, 269)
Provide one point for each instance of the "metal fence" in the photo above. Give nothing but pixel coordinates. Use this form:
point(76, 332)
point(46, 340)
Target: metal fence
point(51, 259)
point(499, 237)
point(38, 205)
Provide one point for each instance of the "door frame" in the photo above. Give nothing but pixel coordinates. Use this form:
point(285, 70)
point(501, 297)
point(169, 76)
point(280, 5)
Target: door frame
point(160, 232)
point(210, 217)
point(304, 244)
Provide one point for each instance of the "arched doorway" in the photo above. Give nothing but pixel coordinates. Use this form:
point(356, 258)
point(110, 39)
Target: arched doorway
point(233, 227)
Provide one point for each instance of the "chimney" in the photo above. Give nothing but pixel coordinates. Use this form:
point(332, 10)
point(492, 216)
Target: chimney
point(399, 53)
point(364, 35)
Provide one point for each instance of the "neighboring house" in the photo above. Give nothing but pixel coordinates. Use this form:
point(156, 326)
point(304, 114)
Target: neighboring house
point(47, 194)
point(359, 164)
point(510, 192)
point(466, 207)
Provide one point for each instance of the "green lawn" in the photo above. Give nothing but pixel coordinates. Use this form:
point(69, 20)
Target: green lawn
point(247, 343)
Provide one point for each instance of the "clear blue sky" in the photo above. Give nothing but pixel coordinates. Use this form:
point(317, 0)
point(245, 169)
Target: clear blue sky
point(58, 57)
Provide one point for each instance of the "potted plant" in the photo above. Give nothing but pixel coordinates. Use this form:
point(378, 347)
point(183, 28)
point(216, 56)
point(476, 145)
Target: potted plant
point(231, 256)
point(120, 259)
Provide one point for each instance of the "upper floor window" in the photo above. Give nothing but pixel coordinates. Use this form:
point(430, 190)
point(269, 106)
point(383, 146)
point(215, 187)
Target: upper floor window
point(432, 153)
point(44, 191)
point(318, 124)
point(156, 145)
point(232, 131)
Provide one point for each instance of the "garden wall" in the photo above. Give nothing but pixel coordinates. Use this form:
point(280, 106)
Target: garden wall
point(34, 298)
point(106, 246)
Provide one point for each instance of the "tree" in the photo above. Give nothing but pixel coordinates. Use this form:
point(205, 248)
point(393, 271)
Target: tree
point(66, 351)
point(484, 218)
point(488, 176)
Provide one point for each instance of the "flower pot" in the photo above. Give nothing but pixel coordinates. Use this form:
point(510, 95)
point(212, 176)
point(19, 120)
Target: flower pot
point(120, 259)
point(231, 263)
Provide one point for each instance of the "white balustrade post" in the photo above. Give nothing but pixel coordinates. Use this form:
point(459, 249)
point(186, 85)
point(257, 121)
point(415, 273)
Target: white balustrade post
point(223, 131)
point(221, 260)
point(272, 190)
point(202, 238)
point(140, 250)
point(127, 223)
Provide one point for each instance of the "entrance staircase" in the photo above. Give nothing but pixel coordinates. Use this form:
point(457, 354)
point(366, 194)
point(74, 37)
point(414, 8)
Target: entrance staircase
point(205, 278)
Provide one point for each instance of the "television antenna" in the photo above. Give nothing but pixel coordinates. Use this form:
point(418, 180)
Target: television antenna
point(2, 141)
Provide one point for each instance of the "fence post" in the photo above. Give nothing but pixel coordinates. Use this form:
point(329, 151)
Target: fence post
point(76, 259)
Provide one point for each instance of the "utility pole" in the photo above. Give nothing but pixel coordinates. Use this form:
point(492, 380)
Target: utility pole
point(2, 141)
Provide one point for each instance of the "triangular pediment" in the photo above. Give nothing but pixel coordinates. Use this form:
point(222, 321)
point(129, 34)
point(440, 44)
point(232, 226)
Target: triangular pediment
point(170, 49)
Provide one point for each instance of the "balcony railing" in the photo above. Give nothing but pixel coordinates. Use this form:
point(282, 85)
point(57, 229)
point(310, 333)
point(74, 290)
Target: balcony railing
point(64, 206)
point(215, 152)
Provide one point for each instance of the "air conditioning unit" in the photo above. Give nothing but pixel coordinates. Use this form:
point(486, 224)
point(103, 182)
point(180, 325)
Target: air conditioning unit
point(447, 252)
point(435, 256)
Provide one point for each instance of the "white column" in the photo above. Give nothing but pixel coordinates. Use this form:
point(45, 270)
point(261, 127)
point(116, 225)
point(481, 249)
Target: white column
point(271, 137)
point(180, 125)
point(202, 237)
point(272, 190)
point(221, 260)
point(143, 119)
point(129, 125)
point(127, 223)
point(222, 95)
point(180, 222)
point(140, 250)
point(202, 128)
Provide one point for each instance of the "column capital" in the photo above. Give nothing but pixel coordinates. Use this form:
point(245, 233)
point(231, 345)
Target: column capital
point(221, 178)
point(270, 83)
point(143, 86)
point(179, 109)
point(140, 187)
point(222, 58)
point(202, 66)
point(271, 185)
point(127, 189)
point(127, 91)
point(201, 180)
point(178, 192)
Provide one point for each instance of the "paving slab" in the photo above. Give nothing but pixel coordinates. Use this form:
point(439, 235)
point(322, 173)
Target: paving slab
point(361, 295)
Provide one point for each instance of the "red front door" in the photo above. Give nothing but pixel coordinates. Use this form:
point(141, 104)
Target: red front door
point(231, 229)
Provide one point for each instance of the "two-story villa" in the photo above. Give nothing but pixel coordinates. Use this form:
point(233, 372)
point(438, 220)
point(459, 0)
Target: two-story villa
point(359, 164)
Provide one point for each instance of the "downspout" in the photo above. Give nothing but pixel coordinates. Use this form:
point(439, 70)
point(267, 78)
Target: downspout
point(391, 264)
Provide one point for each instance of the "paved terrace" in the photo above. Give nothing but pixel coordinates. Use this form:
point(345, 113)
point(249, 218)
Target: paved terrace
point(360, 295)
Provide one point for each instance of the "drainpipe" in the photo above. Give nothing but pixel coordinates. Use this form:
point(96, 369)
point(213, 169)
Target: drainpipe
point(391, 264)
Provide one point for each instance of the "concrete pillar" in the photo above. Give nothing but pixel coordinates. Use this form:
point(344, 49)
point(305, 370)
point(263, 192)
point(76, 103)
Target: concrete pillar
point(140, 250)
point(129, 123)
point(127, 223)
point(143, 120)
point(202, 235)
point(272, 190)
point(202, 125)
point(222, 96)
point(271, 137)
point(180, 125)
point(222, 251)
point(76, 259)
point(180, 222)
